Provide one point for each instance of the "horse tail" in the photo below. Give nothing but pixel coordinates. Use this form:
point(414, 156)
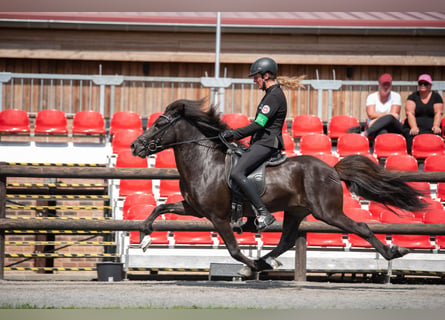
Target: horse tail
point(367, 179)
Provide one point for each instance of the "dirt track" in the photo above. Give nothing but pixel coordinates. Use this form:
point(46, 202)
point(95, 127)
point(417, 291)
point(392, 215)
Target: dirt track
point(217, 294)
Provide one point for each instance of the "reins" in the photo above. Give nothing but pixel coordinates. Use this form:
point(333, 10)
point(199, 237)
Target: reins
point(153, 146)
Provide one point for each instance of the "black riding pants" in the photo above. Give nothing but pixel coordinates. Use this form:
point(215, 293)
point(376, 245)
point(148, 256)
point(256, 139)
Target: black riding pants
point(248, 162)
point(385, 124)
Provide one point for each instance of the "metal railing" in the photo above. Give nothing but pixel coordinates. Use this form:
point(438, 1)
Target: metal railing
point(145, 95)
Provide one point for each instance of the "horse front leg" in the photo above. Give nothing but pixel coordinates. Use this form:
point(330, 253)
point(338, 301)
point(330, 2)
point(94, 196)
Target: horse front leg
point(291, 223)
point(224, 229)
point(180, 208)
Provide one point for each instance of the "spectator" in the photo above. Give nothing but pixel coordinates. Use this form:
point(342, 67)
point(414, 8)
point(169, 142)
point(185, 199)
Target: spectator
point(383, 109)
point(423, 111)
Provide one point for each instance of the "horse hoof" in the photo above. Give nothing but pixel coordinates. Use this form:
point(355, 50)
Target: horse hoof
point(145, 243)
point(274, 263)
point(399, 251)
point(245, 272)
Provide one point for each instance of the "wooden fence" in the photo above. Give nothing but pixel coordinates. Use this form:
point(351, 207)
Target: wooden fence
point(155, 173)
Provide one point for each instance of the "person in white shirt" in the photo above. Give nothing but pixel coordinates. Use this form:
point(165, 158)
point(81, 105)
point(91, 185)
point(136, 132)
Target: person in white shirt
point(383, 109)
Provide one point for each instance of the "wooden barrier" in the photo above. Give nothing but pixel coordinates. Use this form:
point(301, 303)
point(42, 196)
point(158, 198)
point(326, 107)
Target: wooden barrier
point(155, 173)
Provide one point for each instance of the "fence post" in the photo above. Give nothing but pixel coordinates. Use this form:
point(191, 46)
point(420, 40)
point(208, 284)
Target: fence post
point(2, 232)
point(300, 257)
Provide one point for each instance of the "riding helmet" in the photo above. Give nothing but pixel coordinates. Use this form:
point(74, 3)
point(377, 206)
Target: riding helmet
point(263, 65)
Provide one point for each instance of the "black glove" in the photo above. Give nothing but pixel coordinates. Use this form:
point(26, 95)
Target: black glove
point(227, 135)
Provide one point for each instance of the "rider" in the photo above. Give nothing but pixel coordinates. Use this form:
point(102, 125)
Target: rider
point(266, 132)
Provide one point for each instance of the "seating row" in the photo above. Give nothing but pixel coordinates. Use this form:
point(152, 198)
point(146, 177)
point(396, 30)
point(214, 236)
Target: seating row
point(52, 121)
point(337, 125)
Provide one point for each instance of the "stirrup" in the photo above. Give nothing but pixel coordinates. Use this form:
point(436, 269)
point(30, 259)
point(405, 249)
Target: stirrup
point(263, 221)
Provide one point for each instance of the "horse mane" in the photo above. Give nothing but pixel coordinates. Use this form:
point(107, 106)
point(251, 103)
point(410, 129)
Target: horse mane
point(205, 117)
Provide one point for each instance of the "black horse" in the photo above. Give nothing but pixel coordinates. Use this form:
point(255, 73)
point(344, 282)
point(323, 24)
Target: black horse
point(300, 186)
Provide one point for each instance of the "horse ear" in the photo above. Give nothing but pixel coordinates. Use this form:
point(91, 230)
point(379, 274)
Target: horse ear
point(205, 105)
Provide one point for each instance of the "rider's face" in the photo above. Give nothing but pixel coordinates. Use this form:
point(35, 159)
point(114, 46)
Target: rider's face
point(258, 80)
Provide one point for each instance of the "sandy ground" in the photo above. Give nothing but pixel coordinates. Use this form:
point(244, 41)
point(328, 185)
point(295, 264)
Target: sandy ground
point(277, 295)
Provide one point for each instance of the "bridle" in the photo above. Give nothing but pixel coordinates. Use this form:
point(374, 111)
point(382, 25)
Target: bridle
point(156, 144)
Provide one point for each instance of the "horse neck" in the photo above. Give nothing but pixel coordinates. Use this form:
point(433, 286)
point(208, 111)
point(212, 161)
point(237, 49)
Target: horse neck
point(196, 156)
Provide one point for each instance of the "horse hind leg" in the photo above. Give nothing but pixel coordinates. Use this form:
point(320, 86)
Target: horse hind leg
point(361, 229)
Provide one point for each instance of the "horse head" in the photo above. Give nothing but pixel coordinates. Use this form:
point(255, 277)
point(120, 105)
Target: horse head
point(157, 138)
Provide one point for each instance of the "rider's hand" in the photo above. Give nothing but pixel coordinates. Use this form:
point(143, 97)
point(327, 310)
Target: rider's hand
point(228, 135)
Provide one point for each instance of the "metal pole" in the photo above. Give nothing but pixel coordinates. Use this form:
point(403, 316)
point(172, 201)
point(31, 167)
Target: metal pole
point(218, 98)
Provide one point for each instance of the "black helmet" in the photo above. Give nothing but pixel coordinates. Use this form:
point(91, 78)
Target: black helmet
point(263, 65)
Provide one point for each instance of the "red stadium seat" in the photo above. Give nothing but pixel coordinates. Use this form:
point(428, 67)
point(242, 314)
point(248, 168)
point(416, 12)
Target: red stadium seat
point(431, 206)
point(407, 241)
point(436, 217)
point(427, 144)
point(387, 144)
point(51, 121)
point(152, 118)
point(141, 212)
point(338, 125)
point(89, 122)
point(330, 159)
point(123, 139)
point(315, 143)
point(165, 159)
point(168, 187)
point(125, 159)
point(306, 123)
point(125, 120)
point(350, 202)
point(235, 120)
point(289, 145)
point(137, 198)
point(442, 126)
point(14, 121)
point(402, 162)
point(353, 143)
point(436, 163)
point(324, 239)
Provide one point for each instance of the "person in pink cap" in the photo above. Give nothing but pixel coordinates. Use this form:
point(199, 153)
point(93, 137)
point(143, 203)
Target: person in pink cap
point(424, 110)
point(383, 109)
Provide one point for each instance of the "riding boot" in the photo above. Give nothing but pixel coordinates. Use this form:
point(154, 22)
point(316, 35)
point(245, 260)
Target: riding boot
point(264, 217)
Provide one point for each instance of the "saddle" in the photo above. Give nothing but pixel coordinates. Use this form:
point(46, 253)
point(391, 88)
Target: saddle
point(257, 177)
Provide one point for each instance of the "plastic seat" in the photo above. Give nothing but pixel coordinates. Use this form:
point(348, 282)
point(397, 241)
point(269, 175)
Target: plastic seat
point(152, 118)
point(330, 159)
point(235, 120)
point(427, 144)
point(125, 159)
point(362, 215)
point(141, 212)
point(387, 144)
point(88, 122)
point(315, 143)
point(442, 126)
point(350, 202)
point(431, 206)
point(165, 159)
point(338, 125)
point(125, 120)
point(137, 198)
point(353, 143)
point(401, 162)
point(407, 241)
point(436, 217)
point(51, 121)
point(123, 139)
point(289, 145)
point(306, 123)
point(324, 239)
point(14, 121)
point(434, 163)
